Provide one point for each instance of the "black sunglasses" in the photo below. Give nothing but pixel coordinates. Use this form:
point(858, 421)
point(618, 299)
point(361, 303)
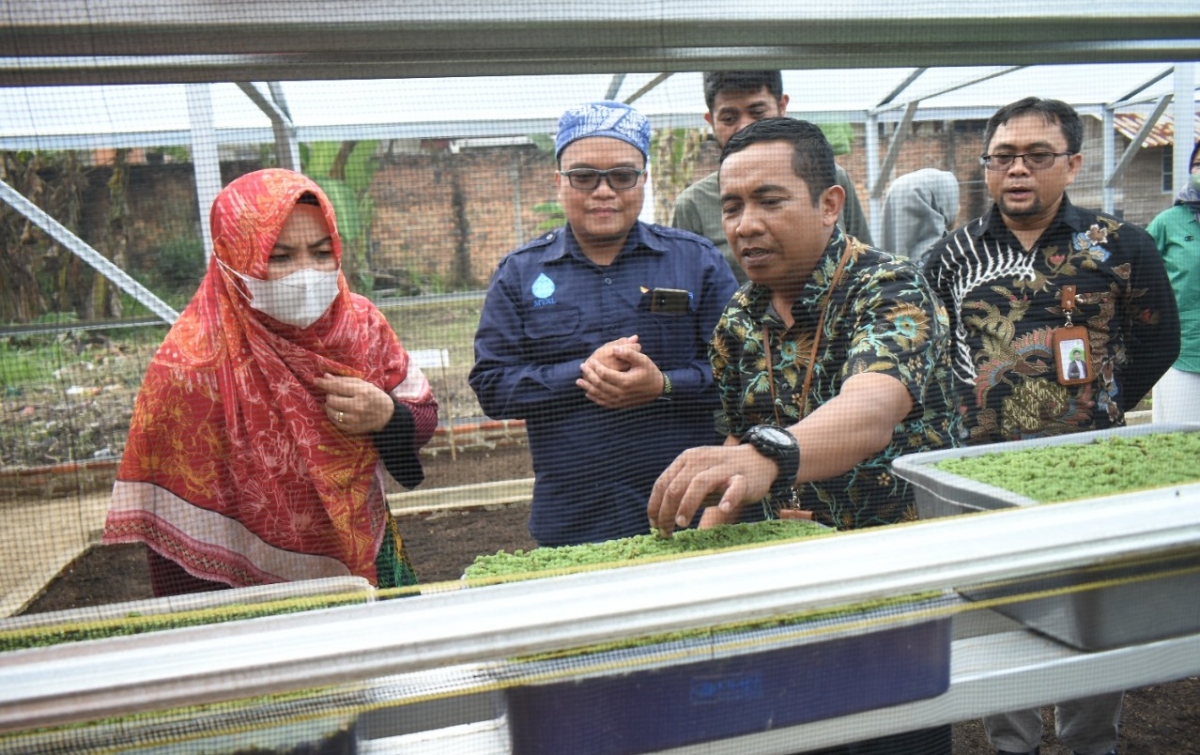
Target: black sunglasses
point(587, 179)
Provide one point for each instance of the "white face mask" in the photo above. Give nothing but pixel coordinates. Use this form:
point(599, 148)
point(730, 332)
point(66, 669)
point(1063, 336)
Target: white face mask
point(298, 299)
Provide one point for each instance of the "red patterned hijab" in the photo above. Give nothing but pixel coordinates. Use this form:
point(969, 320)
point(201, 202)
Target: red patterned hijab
point(231, 468)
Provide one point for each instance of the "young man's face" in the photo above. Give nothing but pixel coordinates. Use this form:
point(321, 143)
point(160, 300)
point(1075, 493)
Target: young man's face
point(733, 111)
point(774, 230)
point(1030, 198)
point(601, 215)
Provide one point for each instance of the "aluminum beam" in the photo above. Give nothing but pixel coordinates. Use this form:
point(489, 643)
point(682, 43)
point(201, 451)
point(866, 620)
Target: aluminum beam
point(76, 41)
point(1136, 143)
point(81, 249)
point(84, 681)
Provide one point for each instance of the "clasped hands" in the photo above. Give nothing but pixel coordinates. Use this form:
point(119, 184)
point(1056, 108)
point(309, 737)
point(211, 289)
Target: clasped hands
point(619, 376)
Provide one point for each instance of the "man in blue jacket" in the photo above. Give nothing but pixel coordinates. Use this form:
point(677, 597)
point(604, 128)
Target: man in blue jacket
point(596, 334)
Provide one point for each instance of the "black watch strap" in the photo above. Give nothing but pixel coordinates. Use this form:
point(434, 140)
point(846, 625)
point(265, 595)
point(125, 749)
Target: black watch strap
point(778, 444)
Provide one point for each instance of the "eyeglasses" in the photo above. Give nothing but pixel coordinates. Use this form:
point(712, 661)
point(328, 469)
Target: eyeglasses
point(587, 179)
point(1033, 160)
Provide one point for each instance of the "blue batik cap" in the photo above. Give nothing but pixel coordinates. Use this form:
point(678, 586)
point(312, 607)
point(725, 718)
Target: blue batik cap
point(604, 118)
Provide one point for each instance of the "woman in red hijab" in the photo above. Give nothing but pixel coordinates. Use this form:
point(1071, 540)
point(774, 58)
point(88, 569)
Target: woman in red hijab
point(267, 416)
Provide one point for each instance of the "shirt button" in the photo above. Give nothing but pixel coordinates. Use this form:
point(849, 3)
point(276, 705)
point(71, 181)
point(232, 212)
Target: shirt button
point(608, 281)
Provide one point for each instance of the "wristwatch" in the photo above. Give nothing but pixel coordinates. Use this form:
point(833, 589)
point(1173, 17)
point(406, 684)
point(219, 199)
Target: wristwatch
point(780, 445)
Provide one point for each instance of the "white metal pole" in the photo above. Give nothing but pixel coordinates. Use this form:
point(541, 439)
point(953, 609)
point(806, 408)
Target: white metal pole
point(204, 157)
point(1184, 113)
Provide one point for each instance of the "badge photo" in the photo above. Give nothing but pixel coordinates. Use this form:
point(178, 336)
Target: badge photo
point(1072, 357)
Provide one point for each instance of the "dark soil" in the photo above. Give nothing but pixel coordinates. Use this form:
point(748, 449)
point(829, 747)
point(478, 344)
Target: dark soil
point(1162, 719)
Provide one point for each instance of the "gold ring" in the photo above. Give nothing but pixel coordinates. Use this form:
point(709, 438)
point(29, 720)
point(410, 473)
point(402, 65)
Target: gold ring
point(341, 417)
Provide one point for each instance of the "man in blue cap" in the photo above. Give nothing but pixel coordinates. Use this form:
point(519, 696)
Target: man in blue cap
point(596, 334)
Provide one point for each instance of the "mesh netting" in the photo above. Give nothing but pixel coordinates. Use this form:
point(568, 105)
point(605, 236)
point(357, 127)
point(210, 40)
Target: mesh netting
point(329, 396)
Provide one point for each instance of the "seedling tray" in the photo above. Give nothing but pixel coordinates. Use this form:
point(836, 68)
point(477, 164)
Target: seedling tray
point(705, 685)
point(1107, 606)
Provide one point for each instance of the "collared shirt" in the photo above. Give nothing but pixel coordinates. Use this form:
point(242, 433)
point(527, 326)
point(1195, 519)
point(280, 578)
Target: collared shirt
point(882, 318)
point(1177, 235)
point(1004, 305)
point(698, 209)
point(548, 308)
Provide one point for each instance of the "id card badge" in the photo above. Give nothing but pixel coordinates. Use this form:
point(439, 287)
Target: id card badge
point(1072, 355)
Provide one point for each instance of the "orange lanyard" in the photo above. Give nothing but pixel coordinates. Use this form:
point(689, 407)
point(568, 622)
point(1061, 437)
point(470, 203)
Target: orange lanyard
point(812, 356)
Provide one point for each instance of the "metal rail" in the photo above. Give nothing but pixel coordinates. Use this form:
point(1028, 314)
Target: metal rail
point(111, 677)
point(391, 302)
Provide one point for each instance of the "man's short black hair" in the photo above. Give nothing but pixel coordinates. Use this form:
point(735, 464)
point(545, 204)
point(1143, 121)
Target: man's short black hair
point(716, 82)
point(812, 156)
point(1050, 111)
point(1195, 150)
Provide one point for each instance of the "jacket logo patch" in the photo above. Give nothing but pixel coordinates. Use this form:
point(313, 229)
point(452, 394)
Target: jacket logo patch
point(543, 290)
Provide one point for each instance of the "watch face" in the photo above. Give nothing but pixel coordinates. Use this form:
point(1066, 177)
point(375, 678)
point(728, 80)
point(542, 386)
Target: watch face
point(776, 435)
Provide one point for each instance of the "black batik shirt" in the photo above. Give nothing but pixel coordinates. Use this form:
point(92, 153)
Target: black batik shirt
point(1004, 304)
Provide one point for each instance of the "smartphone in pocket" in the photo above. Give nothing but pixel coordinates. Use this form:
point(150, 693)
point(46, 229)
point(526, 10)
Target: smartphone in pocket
point(670, 301)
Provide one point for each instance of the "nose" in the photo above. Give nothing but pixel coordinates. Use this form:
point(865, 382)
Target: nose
point(604, 188)
point(1019, 166)
point(747, 224)
point(743, 122)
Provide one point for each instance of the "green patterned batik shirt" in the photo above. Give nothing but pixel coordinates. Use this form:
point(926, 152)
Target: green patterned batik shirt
point(883, 318)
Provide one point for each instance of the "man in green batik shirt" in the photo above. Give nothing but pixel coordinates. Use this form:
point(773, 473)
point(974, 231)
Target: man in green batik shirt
point(830, 363)
point(880, 382)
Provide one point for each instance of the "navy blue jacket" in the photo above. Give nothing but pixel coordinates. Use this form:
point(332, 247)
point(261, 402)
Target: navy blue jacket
point(548, 308)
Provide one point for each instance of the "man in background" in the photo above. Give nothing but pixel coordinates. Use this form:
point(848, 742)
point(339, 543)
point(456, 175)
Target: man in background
point(734, 100)
point(596, 334)
point(1036, 272)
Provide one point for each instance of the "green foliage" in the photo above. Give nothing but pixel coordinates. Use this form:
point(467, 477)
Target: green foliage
point(319, 158)
point(437, 325)
point(840, 136)
point(345, 205)
point(678, 142)
point(177, 153)
point(179, 265)
point(554, 216)
point(346, 186)
point(28, 362)
point(176, 272)
point(543, 142)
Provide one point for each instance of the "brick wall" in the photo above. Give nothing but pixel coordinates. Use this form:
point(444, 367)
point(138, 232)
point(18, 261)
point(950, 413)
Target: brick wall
point(420, 226)
point(433, 209)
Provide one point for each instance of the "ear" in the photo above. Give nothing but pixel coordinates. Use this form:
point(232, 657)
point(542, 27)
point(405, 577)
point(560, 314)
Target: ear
point(831, 202)
point(783, 102)
point(708, 118)
point(1074, 162)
